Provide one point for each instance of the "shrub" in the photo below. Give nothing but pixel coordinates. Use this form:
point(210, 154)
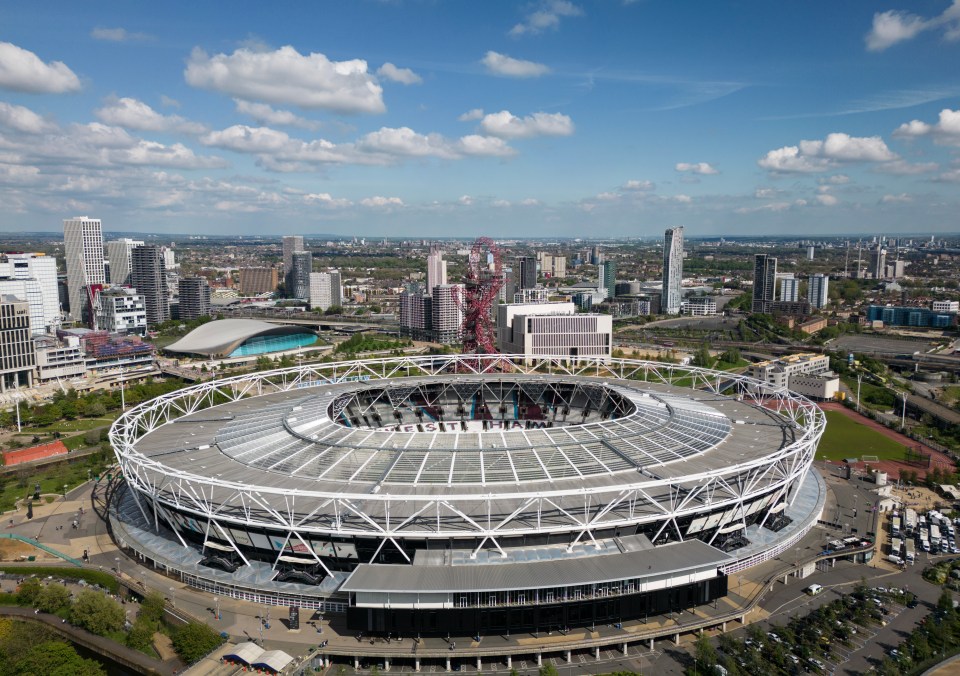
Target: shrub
point(194, 640)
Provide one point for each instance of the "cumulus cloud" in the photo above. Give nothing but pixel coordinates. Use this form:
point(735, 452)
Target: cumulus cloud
point(507, 125)
point(903, 168)
point(506, 66)
point(902, 198)
point(280, 152)
point(818, 156)
point(764, 193)
point(135, 114)
point(266, 114)
point(284, 76)
point(836, 179)
point(382, 202)
point(546, 16)
point(465, 200)
point(24, 120)
point(945, 131)
point(827, 199)
point(638, 186)
point(529, 202)
point(325, 199)
point(702, 168)
point(402, 75)
point(168, 101)
point(894, 26)
point(470, 115)
point(118, 35)
point(23, 71)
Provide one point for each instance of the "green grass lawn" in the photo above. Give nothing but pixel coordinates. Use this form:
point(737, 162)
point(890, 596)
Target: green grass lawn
point(847, 438)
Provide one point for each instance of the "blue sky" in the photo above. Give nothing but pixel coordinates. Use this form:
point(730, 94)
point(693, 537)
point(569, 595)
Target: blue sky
point(550, 118)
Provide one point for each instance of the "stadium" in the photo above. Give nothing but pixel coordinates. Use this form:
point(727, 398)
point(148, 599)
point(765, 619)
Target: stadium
point(469, 493)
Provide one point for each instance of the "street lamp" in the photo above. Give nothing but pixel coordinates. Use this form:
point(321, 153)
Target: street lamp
point(64, 491)
point(859, 379)
point(123, 398)
point(117, 560)
point(173, 599)
point(216, 603)
point(903, 419)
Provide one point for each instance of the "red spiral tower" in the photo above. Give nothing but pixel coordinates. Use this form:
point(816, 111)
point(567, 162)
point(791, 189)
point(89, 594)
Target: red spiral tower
point(481, 283)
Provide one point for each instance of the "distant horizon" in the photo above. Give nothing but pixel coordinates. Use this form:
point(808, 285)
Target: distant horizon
point(550, 118)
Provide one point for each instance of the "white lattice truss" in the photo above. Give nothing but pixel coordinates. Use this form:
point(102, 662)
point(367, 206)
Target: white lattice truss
point(486, 516)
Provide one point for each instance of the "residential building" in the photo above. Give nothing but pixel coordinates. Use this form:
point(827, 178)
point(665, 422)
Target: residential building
point(808, 372)
point(553, 329)
point(416, 313)
point(607, 281)
point(59, 361)
point(818, 287)
point(880, 263)
point(325, 289)
point(122, 310)
point(672, 271)
point(149, 276)
point(17, 358)
point(700, 306)
point(764, 282)
point(436, 268)
point(552, 266)
point(800, 308)
point(38, 274)
point(446, 315)
point(813, 325)
point(291, 244)
point(120, 253)
point(536, 295)
point(169, 259)
point(789, 289)
point(945, 306)
point(194, 293)
point(83, 252)
point(257, 281)
point(298, 282)
point(524, 272)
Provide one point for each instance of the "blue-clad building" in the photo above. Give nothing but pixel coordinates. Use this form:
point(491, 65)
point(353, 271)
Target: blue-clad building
point(911, 316)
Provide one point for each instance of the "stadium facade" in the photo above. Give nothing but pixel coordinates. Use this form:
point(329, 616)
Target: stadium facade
point(470, 493)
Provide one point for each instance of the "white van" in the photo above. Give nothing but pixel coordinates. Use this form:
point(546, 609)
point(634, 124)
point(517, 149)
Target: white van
point(814, 589)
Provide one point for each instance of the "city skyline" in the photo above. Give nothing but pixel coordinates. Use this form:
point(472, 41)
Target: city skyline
point(550, 118)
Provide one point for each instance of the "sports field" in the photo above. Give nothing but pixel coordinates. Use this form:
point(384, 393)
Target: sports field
point(847, 438)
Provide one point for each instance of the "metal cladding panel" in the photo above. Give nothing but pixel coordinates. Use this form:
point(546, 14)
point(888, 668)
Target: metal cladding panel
point(692, 556)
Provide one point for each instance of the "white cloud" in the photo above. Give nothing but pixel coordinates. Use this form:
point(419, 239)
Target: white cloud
point(23, 71)
point(946, 130)
point(836, 179)
point(501, 64)
point(546, 16)
point(639, 186)
point(775, 207)
point(952, 176)
point(401, 75)
point(23, 120)
point(507, 125)
point(500, 204)
point(489, 146)
point(135, 114)
point(169, 102)
point(285, 76)
point(827, 199)
point(903, 168)
point(326, 199)
point(902, 198)
point(118, 35)
point(529, 202)
point(895, 26)
point(683, 199)
point(266, 114)
point(159, 155)
point(382, 202)
point(816, 156)
point(702, 168)
point(472, 114)
point(607, 196)
point(465, 200)
point(765, 193)
point(405, 141)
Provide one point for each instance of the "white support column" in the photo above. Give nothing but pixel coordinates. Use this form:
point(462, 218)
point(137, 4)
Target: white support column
point(596, 652)
point(676, 639)
point(539, 659)
point(479, 664)
point(723, 627)
point(651, 644)
point(416, 664)
point(448, 665)
point(624, 647)
point(569, 656)
point(386, 664)
point(356, 664)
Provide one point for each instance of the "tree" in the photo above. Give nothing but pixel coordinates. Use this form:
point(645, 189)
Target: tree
point(548, 670)
point(28, 591)
point(52, 598)
point(194, 640)
point(140, 636)
point(705, 653)
point(702, 356)
point(152, 607)
point(97, 613)
point(56, 657)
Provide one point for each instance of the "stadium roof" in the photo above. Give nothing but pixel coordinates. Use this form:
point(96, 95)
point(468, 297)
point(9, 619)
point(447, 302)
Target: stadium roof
point(221, 337)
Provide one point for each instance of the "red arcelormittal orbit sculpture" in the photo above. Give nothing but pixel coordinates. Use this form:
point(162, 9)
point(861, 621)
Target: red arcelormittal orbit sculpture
point(481, 283)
